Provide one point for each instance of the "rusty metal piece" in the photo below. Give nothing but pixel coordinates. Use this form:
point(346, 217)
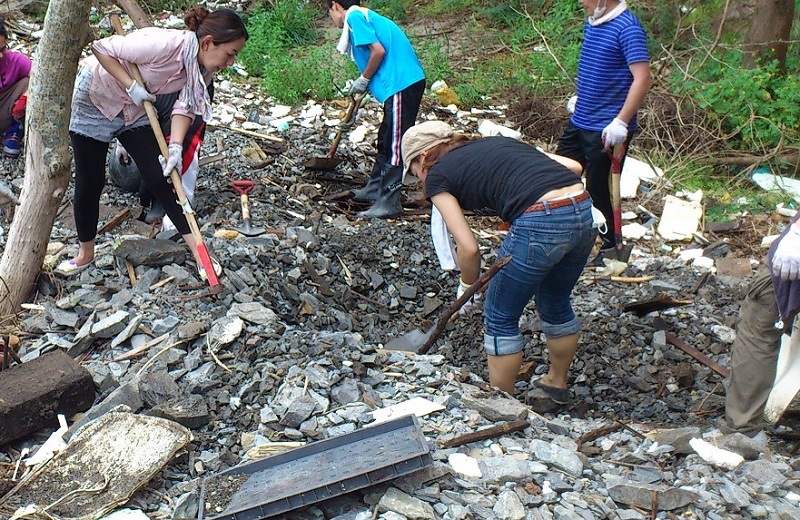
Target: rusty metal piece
point(672, 339)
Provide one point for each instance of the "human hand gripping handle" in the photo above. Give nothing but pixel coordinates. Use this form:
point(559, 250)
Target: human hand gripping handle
point(615, 133)
point(174, 160)
point(359, 86)
point(139, 94)
point(786, 260)
point(471, 301)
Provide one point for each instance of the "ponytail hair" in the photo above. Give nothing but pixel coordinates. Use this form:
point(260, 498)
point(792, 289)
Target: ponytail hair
point(223, 25)
point(3, 31)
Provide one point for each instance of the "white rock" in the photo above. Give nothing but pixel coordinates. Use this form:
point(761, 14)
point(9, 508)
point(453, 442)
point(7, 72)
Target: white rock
point(464, 465)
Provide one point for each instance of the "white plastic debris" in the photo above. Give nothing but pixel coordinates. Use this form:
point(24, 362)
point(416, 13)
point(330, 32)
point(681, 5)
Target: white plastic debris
point(52, 445)
point(489, 129)
point(464, 465)
point(126, 514)
point(767, 181)
point(439, 84)
point(680, 218)
point(634, 231)
point(282, 123)
point(768, 240)
point(282, 110)
point(634, 171)
point(418, 406)
point(690, 254)
point(358, 134)
point(571, 102)
point(716, 456)
point(612, 267)
point(705, 262)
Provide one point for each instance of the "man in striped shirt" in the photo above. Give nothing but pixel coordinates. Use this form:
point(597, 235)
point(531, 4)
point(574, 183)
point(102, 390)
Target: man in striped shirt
point(613, 78)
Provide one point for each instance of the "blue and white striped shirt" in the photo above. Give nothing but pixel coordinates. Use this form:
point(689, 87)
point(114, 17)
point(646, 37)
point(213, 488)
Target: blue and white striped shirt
point(604, 76)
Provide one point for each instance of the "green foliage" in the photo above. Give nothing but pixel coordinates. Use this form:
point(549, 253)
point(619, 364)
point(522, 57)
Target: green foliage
point(288, 24)
point(175, 6)
point(435, 59)
point(318, 72)
point(756, 106)
point(395, 10)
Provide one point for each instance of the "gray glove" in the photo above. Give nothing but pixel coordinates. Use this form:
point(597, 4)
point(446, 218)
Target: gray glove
point(345, 127)
point(359, 86)
point(139, 94)
point(174, 161)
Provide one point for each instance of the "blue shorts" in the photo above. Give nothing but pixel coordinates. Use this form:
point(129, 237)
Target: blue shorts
point(550, 247)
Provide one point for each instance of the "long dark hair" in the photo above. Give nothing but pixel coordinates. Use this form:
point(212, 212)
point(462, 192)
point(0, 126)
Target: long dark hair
point(223, 25)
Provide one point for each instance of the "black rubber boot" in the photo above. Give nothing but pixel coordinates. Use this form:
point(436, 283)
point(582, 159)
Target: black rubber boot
point(388, 204)
point(156, 212)
point(371, 191)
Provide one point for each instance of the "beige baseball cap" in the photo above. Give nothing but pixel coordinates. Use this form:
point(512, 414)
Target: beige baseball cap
point(421, 137)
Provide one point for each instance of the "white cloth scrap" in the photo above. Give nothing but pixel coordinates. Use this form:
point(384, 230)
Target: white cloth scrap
point(443, 242)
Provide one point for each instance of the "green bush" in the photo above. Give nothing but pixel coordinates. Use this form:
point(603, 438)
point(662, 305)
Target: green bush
point(288, 24)
point(756, 106)
point(395, 10)
point(310, 72)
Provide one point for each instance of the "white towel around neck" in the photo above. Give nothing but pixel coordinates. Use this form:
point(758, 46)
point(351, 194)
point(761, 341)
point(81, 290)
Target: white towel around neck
point(609, 15)
point(343, 46)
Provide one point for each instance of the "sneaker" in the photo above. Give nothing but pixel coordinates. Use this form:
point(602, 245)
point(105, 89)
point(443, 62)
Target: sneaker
point(12, 140)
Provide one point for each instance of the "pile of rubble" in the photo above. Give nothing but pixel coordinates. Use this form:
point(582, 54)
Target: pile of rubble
point(291, 352)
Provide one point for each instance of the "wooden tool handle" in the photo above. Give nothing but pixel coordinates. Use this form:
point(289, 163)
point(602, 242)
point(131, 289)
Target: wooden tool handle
point(352, 108)
point(482, 280)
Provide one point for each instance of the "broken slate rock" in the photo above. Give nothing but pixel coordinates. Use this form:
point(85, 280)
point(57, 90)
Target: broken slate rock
point(60, 317)
point(557, 456)
point(499, 470)
point(678, 438)
point(191, 411)
point(509, 506)
point(254, 312)
point(747, 447)
point(153, 252)
point(299, 410)
point(641, 496)
point(495, 409)
point(128, 331)
point(408, 506)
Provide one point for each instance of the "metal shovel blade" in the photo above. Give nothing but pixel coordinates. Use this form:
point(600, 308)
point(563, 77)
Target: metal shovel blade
point(787, 377)
point(250, 231)
point(410, 341)
point(323, 163)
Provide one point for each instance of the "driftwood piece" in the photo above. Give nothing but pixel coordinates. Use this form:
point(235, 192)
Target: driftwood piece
point(486, 433)
point(597, 433)
point(135, 12)
point(120, 217)
point(658, 303)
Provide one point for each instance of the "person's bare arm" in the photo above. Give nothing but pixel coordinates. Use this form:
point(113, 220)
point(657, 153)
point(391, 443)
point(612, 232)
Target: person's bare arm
point(469, 257)
point(639, 87)
point(376, 55)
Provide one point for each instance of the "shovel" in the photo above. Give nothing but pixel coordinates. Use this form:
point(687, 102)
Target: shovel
point(623, 251)
point(420, 342)
point(787, 376)
point(243, 187)
point(330, 162)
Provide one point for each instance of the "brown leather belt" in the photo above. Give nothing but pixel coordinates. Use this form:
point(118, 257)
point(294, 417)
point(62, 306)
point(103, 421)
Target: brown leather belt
point(553, 204)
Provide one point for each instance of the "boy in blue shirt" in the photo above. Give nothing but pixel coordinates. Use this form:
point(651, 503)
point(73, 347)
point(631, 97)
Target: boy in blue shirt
point(393, 74)
point(613, 78)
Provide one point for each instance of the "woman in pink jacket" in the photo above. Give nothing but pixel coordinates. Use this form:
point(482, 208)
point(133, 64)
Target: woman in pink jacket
point(108, 103)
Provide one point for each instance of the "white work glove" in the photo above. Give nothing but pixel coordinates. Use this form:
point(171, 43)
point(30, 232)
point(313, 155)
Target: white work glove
point(139, 94)
point(174, 161)
point(359, 86)
point(122, 155)
point(786, 260)
point(615, 133)
point(462, 288)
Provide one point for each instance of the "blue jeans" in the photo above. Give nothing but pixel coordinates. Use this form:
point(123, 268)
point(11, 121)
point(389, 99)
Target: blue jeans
point(549, 248)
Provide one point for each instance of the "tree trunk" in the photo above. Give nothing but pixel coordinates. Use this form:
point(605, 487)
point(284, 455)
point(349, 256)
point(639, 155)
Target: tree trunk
point(47, 155)
point(769, 34)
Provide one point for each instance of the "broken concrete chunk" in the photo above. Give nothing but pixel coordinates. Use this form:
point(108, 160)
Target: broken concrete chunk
point(495, 409)
point(34, 393)
point(557, 456)
point(408, 506)
point(641, 496)
point(152, 252)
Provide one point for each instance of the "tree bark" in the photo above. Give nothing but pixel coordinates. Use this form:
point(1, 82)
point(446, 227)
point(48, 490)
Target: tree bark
point(136, 13)
point(47, 155)
point(769, 34)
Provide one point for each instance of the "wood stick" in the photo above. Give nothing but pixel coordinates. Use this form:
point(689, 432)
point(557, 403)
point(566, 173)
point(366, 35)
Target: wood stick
point(141, 350)
point(246, 132)
point(131, 272)
point(210, 159)
point(699, 356)
point(486, 433)
point(165, 281)
point(136, 13)
point(120, 217)
point(597, 433)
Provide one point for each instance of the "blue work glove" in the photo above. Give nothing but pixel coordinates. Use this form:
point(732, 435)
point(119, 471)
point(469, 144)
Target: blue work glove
point(174, 161)
point(786, 260)
point(139, 94)
point(359, 86)
point(615, 133)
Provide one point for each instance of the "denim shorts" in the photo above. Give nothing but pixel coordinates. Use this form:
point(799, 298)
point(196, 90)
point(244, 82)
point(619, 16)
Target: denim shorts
point(549, 249)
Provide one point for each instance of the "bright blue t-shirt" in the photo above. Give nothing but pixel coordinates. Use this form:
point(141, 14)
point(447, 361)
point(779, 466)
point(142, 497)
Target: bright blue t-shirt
point(604, 78)
point(400, 67)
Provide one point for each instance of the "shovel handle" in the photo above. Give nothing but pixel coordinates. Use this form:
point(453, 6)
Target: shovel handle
point(352, 108)
point(614, 188)
point(476, 286)
point(175, 177)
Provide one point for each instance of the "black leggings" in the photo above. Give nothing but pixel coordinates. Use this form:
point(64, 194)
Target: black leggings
point(90, 178)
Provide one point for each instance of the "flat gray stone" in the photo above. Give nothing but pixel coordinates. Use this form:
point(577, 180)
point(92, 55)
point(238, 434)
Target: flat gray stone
point(191, 411)
point(495, 409)
point(678, 438)
point(557, 456)
point(641, 496)
point(151, 251)
point(406, 505)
